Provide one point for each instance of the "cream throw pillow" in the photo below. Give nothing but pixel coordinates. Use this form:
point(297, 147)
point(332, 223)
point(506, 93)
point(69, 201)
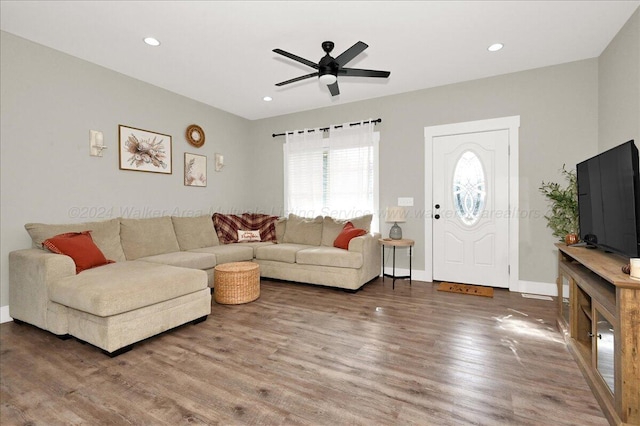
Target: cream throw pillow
point(244, 235)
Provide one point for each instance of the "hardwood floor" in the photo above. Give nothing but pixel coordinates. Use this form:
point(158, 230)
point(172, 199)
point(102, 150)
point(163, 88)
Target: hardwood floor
point(305, 355)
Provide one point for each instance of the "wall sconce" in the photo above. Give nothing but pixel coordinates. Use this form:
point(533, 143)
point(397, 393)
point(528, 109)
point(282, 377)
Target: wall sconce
point(96, 143)
point(219, 159)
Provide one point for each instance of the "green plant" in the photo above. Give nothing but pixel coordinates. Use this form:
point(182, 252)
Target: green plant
point(563, 219)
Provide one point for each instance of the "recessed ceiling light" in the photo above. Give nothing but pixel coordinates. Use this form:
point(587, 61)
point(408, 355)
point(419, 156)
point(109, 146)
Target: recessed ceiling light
point(495, 47)
point(267, 99)
point(152, 41)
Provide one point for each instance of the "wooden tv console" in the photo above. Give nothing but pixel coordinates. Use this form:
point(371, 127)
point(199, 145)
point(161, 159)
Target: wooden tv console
point(601, 323)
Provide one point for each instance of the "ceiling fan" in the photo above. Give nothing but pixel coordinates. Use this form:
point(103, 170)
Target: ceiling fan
point(329, 68)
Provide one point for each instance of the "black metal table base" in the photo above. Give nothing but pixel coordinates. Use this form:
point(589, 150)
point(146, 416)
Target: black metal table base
point(393, 275)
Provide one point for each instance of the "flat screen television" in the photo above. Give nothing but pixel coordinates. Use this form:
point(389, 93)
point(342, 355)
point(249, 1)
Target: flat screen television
point(609, 200)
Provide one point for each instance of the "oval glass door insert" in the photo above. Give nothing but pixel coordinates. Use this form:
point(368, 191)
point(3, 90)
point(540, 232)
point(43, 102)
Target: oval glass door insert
point(469, 188)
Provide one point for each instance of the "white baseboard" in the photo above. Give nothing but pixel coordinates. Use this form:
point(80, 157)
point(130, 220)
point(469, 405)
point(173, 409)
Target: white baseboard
point(533, 287)
point(4, 314)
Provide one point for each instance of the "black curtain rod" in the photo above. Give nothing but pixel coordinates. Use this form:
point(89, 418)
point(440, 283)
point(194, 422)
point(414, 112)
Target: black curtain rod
point(324, 129)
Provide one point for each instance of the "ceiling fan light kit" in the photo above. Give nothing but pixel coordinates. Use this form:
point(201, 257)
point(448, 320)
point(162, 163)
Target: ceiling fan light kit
point(329, 67)
point(328, 79)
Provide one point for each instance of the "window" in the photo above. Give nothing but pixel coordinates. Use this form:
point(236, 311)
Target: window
point(335, 176)
point(469, 191)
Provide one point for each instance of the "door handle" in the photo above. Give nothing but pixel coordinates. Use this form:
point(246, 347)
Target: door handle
point(437, 206)
point(437, 216)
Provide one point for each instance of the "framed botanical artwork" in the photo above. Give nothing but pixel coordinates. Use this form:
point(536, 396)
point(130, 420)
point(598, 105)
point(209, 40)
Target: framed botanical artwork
point(195, 170)
point(144, 150)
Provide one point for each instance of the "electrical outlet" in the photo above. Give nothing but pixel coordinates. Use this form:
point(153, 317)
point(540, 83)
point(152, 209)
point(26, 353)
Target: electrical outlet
point(405, 201)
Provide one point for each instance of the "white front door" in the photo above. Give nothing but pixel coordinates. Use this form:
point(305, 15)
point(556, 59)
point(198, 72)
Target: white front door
point(471, 208)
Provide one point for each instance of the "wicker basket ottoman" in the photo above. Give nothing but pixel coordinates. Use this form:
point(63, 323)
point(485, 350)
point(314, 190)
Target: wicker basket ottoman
point(237, 282)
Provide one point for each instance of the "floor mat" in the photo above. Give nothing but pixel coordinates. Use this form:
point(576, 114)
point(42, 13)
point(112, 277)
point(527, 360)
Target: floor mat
point(473, 290)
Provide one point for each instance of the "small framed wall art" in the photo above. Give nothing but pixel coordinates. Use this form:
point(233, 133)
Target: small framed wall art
point(144, 150)
point(195, 170)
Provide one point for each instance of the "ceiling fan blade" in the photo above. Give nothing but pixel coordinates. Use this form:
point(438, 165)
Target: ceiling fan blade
point(351, 53)
point(333, 88)
point(296, 58)
point(293, 80)
point(356, 72)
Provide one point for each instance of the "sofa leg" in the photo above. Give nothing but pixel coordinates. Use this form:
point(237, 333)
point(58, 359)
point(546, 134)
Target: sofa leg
point(18, 322)
point(118, 351)
point(199, 320)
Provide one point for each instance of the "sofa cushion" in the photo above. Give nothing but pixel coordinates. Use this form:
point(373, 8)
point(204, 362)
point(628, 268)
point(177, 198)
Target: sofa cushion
point(348, 233)
point(331, 227)
point(106, 235)
point(281, 226)
point(302, 230)
point(329, 256)
point(184, 259)
point(228, 252)
point(255, 245)
point(124, 286)
point(280, 252)
point(78, 246)
point(147, 237)
point(194, 232)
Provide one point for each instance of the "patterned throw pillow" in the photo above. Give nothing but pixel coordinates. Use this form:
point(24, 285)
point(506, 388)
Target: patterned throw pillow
point(80, 247)
point(248, 236)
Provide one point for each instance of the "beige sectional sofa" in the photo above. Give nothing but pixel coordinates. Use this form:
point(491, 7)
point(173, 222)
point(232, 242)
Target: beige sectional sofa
point(162, 270)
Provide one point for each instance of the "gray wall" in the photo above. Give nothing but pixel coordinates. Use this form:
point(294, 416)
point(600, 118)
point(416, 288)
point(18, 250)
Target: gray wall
point(619, 87)
point(558, 114)
point(49, 103)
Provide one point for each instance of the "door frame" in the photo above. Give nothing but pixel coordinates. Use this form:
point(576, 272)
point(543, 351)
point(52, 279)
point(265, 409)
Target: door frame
point(512, 125)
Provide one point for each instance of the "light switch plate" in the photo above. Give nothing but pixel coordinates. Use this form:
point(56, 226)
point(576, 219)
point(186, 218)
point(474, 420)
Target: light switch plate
point(405, 201)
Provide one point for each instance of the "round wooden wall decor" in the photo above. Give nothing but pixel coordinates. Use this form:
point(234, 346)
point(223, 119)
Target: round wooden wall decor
point(195, 135)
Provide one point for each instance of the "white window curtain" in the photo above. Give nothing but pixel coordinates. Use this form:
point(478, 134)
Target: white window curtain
point(303, 174)
point(335, 176)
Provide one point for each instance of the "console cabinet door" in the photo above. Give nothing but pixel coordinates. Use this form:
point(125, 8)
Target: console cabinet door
point(605, 350)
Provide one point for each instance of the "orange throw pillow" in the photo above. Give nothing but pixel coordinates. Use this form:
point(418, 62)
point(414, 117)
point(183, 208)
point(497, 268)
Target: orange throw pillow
point(80, 247)
point(346, 235)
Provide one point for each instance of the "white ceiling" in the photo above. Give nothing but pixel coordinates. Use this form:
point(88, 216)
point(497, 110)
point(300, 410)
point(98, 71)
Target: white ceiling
point(220, 53)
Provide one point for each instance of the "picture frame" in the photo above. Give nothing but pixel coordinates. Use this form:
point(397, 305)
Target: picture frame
point(144, 151)
point(195, 170)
